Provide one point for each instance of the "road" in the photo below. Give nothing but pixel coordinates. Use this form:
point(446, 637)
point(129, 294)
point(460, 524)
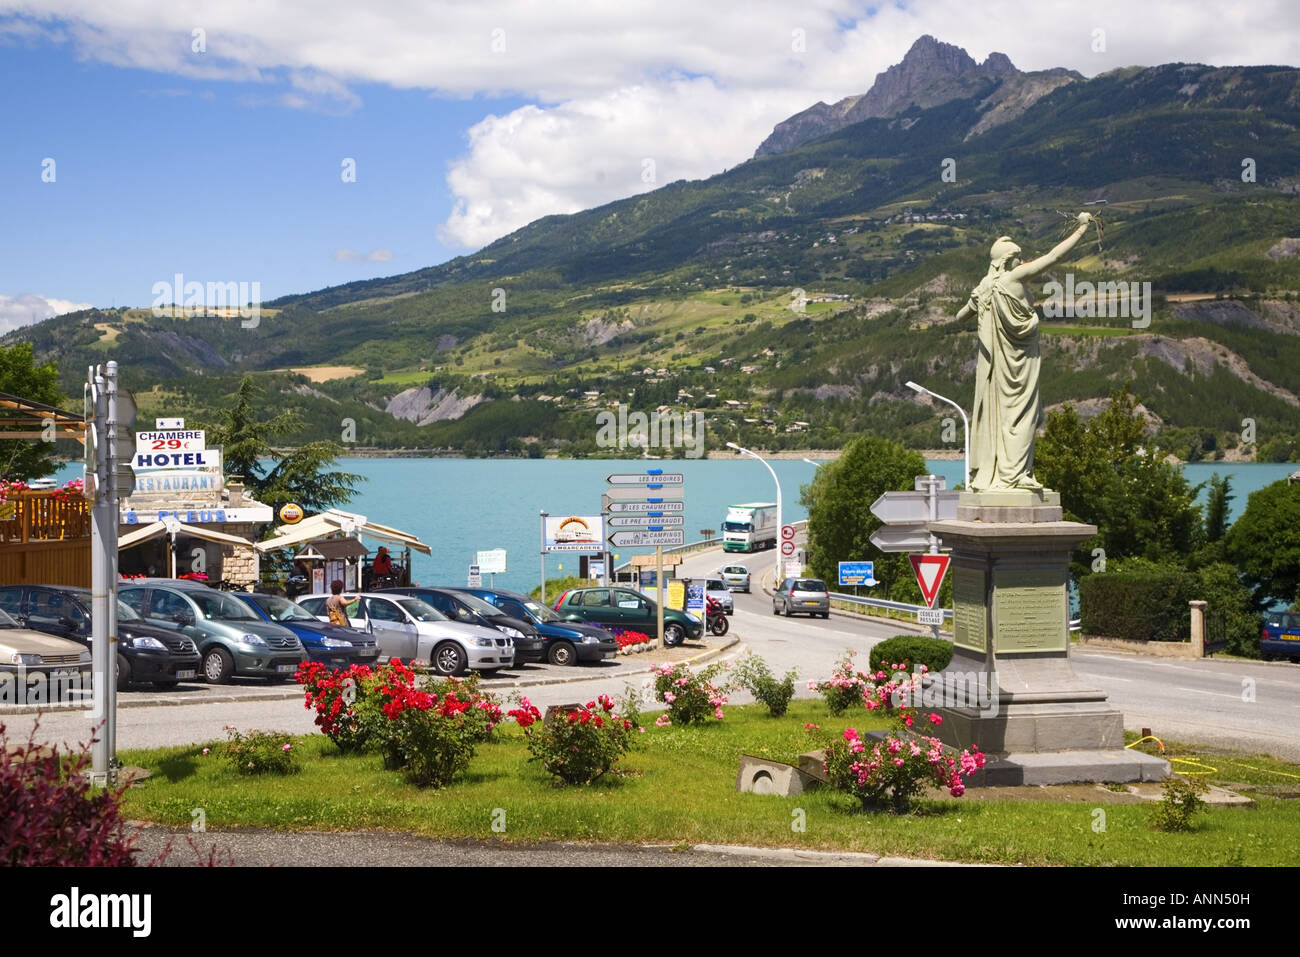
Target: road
point(1219, 702)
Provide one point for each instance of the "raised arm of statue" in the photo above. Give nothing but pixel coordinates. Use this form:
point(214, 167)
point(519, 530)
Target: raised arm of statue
point(1035, 266)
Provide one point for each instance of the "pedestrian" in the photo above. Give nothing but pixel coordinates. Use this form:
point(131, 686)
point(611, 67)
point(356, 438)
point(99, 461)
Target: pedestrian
point(337, 605)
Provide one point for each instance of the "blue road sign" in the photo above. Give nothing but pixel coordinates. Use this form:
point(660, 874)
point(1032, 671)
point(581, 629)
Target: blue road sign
point(857, 573)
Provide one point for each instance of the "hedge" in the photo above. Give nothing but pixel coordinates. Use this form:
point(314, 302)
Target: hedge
point(1141, 605)
point(934, 653)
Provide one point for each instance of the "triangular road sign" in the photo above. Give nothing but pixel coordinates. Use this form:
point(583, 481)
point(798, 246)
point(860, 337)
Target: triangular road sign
point(929, 570)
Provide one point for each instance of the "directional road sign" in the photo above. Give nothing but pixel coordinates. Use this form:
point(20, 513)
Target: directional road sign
point(900, 538)
point(636, 494)
point(645, 521)
point(628, 539)
point(929, 570)
point(907, 508)
point(642, 507)
point(646, 478)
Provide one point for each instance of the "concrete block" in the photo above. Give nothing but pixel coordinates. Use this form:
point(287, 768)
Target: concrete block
point(1118, 765)
point(761, 776)
point(810, 763)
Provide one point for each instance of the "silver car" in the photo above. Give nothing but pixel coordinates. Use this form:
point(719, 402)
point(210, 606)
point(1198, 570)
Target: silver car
point(408, 628)
point(717, 589)
point(736, 577)
point(802, 596)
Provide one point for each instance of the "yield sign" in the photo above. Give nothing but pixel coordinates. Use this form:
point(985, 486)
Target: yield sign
point(929, 570)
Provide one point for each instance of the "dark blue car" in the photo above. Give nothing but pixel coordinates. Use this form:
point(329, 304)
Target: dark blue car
point(1281, 636)
point(567, 642)
point(331, 645)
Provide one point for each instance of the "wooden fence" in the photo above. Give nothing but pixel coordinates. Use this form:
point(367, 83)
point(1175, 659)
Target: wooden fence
point(44, 540)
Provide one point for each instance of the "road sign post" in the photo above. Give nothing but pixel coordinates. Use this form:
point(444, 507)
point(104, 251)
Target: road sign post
point(648, 511)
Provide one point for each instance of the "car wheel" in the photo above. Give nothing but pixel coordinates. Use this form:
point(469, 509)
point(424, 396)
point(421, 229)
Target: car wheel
point(448, 659)
point(1295, 661)
point(562, 653)
point(787, 611)
point(218, 666)
point(774, 609)
point(826, 614)
point(123, 674)
point(674, 634)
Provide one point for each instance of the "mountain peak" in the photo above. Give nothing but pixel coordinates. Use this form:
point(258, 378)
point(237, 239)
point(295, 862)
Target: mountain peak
point(931, 73)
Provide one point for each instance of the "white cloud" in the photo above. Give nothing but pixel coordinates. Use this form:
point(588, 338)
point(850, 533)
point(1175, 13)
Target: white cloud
point(24, 310)
point(346, 255)
point(695, 86)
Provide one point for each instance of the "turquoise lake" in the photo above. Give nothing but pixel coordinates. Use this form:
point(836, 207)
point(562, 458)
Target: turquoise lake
point(462, 506)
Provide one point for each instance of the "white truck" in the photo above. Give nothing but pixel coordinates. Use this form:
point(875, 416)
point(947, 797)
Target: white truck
point(749, 527)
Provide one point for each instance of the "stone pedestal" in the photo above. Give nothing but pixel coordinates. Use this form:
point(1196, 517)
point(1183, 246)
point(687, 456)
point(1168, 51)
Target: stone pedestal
point(1035, 720)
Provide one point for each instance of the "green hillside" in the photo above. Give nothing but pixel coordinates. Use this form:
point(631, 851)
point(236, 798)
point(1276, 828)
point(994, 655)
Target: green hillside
point(688, 296)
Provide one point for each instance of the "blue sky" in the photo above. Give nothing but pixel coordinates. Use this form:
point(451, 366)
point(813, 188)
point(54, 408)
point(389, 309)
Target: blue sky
point(466, 119)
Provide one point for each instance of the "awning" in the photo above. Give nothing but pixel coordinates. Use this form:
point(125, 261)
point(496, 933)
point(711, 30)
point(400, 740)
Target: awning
point(332, 549)
point(335, 522)
point(190, 531)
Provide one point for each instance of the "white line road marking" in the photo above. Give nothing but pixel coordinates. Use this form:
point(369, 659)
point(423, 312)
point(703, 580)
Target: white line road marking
point(1217, 694)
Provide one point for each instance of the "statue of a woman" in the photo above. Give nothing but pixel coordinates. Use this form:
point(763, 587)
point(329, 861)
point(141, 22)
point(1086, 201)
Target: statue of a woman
point(1007, 406)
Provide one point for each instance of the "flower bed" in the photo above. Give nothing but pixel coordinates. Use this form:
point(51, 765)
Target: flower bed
point(581, 745)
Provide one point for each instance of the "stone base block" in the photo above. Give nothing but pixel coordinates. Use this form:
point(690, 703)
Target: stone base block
point(1020, 507)
point(1116, 765)
point(760, 776)
point(810, 763)
point(1037, 727)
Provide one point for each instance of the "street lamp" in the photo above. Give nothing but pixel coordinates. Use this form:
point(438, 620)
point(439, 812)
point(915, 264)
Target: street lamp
point(776, 573)
point(965, 423)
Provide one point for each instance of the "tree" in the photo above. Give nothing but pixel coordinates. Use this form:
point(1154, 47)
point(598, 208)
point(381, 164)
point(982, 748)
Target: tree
point(23, 459)
point(1264, 543)
point(1216, 508)
point(1110, 475)
point(248, 445)
point(840, 522)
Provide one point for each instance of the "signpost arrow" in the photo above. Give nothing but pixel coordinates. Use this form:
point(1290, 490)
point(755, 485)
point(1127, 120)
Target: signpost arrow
point(900, 538)
point(651, 508)
point(907, 508)
point(929, 570)
point(652, 478)
point(645, 521)
point(632, 494)
point(629, 539)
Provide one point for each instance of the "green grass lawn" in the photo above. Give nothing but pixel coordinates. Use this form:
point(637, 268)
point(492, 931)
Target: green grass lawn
point(680, 787)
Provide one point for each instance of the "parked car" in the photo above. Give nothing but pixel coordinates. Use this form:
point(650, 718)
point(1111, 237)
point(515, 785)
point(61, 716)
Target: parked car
point(802, 596)
point(232, 640)
point(717, 589)
point(625, 608)
point(1280, 637)
point(408, 628)
point(331, 645)
point(565, 642)
point(736, 577)
point(62, 665)
point(472, 610)
point(145, 652)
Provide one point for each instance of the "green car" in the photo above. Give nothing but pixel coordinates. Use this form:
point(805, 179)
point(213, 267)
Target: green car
point(626, 609)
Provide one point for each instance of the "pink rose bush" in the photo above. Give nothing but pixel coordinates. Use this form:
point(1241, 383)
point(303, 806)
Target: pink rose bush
point(690, 696)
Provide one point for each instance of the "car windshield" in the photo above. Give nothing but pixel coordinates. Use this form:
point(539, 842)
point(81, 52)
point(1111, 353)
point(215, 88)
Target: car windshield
point(6, 621)
point(479, 606)
point(540, 611)
point(219, 607)
point(421, 610)
point(281, 609)
point(125, 612)
point(809, 584)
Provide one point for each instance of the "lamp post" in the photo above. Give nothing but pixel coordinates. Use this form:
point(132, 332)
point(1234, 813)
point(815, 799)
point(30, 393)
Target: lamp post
point(965, 424)
point(776, 573)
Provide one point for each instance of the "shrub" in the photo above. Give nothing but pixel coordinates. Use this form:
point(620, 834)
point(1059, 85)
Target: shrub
point(690, 696)
point(429, 736)
point(753, 674)
point(52, 816)
point(1181, 800)
point(484, 713)
point(580, 746)
point(845, 686)
point(913, 650)
point(1138, 600)
point(341, 700)
point(897, 767)
point(260, 752)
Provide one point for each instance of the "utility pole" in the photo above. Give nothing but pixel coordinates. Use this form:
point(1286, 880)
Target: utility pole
point(543, 557)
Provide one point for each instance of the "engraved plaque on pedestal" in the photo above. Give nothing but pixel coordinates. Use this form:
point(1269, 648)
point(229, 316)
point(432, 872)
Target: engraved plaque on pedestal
point(1030, 610)
point(969, 615)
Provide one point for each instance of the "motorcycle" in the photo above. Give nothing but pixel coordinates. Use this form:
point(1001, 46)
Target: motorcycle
point(718, 623)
